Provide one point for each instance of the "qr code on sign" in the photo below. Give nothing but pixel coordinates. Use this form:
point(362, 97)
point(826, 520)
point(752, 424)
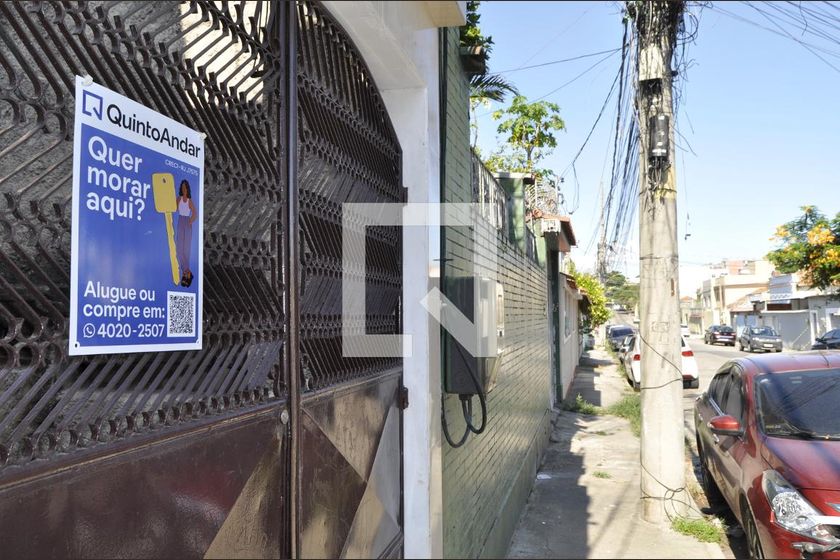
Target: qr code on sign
point(180, 314)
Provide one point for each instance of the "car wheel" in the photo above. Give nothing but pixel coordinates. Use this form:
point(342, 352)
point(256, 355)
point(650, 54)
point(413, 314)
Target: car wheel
point(710, 487)
point(740, 346)
point(751, 533)
point(637, 386)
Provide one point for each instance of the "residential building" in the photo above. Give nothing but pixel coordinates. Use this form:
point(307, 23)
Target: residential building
point(799, 314)
point(730, 281)
point(689, 313)
point(277, 438)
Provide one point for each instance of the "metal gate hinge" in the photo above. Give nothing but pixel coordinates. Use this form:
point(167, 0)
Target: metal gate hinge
point(403, 398)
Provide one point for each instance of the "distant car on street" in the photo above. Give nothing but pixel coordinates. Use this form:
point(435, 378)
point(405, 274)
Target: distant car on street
point(768, 441)
point(616, 335)
point(828, 341)
point(633, 365)
point(764, 339)
point(720, 334)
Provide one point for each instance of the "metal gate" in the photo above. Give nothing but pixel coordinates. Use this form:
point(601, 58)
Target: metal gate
point(267, 442)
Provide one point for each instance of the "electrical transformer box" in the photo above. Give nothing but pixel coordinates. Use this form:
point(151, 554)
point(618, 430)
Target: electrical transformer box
point(660, 137)
point(481, 300)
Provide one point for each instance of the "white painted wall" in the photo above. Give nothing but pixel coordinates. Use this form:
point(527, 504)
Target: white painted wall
point(570, 342)
point(825, 313)
point(399, 42)
point(793, 326)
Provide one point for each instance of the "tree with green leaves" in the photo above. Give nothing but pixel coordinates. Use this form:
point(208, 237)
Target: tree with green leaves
point(620, 291)
point(530, 129)
point(485, 86)
point(809, 245)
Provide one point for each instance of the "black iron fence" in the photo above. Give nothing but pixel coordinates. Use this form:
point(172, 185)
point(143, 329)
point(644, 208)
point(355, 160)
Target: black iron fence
point(215, 66)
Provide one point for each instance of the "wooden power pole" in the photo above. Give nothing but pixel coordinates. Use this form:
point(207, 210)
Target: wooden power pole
point(662, 438)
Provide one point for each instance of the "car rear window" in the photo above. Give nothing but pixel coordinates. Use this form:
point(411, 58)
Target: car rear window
point(800, 405)
point(726, 330)
point(620, 332)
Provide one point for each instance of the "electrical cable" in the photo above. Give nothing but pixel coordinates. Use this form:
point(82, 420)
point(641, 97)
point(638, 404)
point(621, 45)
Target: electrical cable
point(466, 407)
point(553, 38)
point(809, 48)
point(466, 410)
point(595, 124)
point(580, 57)
point(445, 427)
point(586, 141)
point(573, 80)
point(783, 33)
point(576, 78)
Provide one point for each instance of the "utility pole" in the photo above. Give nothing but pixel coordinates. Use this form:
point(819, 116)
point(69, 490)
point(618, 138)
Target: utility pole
point(715, 314)
point(662, 437)
point(601, 265)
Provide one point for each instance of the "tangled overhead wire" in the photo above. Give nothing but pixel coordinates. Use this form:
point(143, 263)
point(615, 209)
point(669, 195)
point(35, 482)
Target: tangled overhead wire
point(622, 200)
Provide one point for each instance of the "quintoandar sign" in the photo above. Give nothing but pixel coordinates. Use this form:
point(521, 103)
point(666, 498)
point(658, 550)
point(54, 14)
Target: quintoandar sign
point(137, 237)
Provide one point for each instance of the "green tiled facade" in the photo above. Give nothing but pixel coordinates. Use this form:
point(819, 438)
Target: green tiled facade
point(487, 481)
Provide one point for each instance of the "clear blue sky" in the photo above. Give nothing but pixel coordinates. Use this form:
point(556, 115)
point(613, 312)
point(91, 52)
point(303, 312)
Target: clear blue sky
point(764, 121)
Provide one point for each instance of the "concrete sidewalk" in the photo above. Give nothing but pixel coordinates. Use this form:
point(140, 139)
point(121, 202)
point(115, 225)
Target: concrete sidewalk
point(586, 499)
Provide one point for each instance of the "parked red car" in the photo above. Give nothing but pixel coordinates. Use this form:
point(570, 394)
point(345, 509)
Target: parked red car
point(768, 435)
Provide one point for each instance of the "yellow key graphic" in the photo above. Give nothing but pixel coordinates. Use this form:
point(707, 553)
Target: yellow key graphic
point(163, 186)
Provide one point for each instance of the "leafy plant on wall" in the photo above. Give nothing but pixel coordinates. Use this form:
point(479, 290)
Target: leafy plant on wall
point(485, 86)
point(598, 313)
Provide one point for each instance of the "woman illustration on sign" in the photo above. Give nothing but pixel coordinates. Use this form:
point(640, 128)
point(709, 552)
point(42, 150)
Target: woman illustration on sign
point(186, 216)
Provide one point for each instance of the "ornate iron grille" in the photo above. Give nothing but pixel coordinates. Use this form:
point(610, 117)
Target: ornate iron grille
point(348, 153)
point(215, 66)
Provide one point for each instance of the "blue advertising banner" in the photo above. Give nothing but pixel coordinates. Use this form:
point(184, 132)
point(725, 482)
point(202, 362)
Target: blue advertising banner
point(137, 233)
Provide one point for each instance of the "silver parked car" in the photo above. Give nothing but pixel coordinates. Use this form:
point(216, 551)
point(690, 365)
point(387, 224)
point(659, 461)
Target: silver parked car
point(764, 339)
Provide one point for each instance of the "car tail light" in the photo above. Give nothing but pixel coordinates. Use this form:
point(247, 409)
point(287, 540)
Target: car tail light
point(687, 353)
point(636, 358)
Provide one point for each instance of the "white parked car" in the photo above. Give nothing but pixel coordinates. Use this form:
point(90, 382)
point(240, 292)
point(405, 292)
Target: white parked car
point(633, 365)
point(626, 346)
